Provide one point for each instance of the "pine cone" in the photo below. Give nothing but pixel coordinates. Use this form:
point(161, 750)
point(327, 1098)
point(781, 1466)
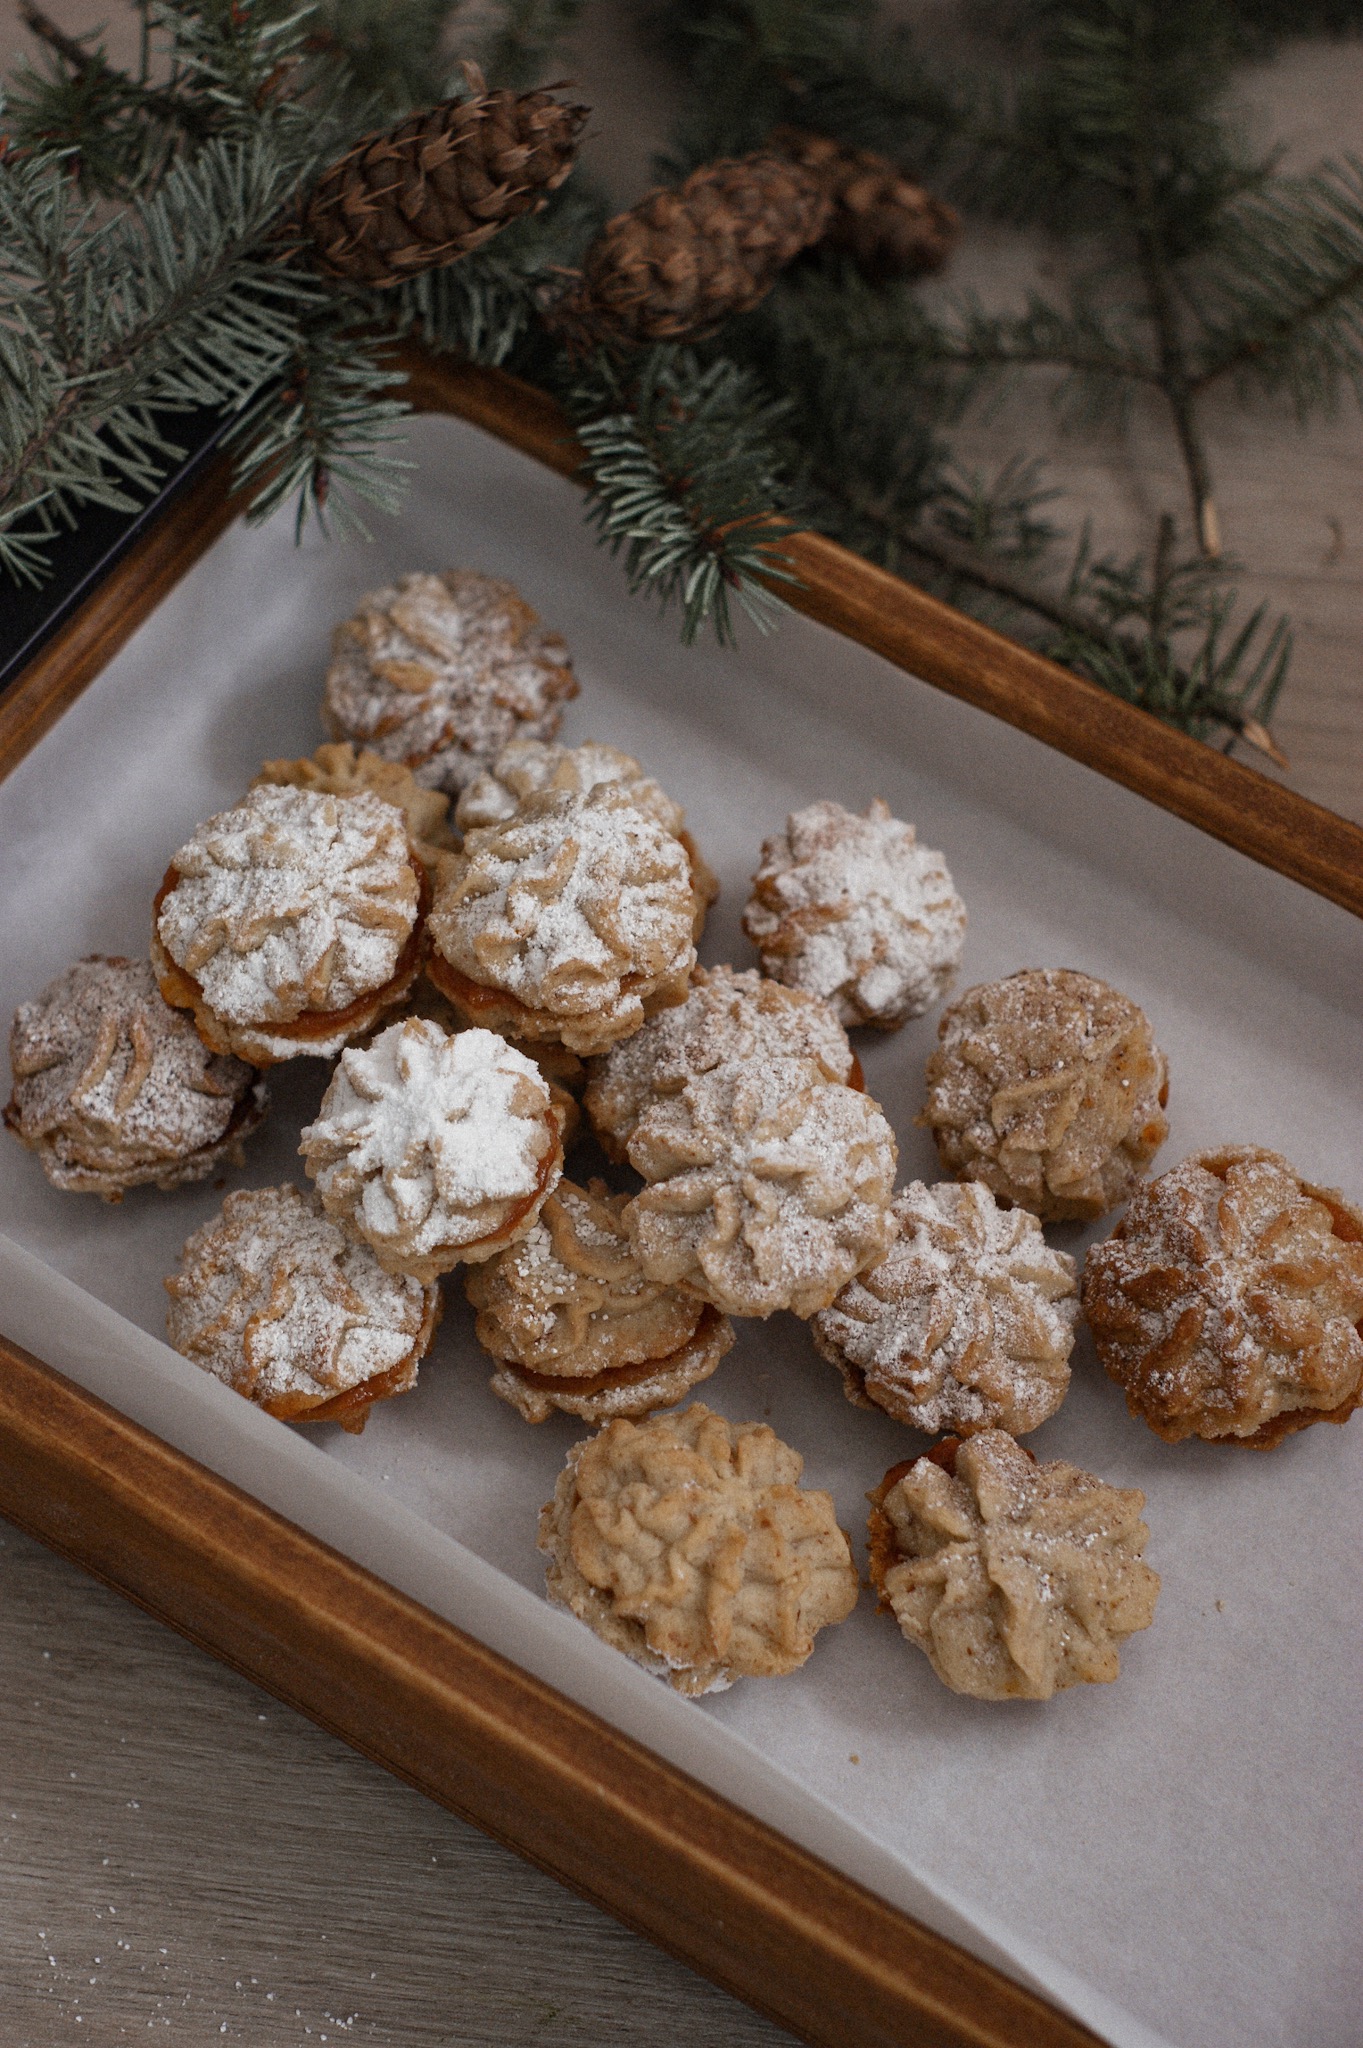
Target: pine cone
point(440, 184)
point(680, 262)
point(889, 226)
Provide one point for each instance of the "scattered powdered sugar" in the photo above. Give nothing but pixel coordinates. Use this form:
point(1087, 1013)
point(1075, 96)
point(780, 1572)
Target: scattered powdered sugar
point(294, 900)
point(855, 910)
point(274, 1299)
point(424, 1141)
point(440, 672)
point(114, 1088)
point(579, 907)
point(967, 1322)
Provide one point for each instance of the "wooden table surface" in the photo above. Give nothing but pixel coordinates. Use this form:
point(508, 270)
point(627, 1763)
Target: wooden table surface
point(180, 1855)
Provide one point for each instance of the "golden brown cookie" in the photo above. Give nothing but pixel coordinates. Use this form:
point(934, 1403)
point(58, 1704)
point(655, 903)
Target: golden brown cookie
point(1228, 1302)
point(113, 1089)
point(851, 908)
point(1015, 1579)
point(688, 1543)
point(570, 922)
point(526, 766)
point(434, 1150)
point(345, 770)
point(276, 1301)
point(290, 923)
point(967, 1323)
point(574, 1324)
point(439, 672)
point(1049, 1087)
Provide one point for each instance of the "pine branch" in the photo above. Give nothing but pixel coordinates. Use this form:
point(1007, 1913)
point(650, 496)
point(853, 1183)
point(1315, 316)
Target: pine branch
point(169, 306)
point(326, 436)
point(525, 44)
point(685, 482)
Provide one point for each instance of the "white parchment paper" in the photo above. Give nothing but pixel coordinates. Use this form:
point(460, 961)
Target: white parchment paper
point(1174, 1857)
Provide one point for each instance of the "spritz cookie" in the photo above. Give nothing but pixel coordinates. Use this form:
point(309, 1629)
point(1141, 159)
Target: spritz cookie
point(688, 1543)
point(571, 922)
point(1048, 1087)
point(340, 769)
point(439, 672)
point(1015, 1579)
point(967, 1323)
point(113, 1089)
point(1228, 1302)
point(853, 909)
point(524, 767)
point(573, 1323)
point(290, 923)
point(434, 1149)
point(276, 1301)
point(727, 1019)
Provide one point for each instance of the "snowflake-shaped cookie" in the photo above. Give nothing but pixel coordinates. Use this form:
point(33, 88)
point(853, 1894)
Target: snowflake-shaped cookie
point(290, 922)
point(571, 921)
point(276, 1301)
point(1049, 1087)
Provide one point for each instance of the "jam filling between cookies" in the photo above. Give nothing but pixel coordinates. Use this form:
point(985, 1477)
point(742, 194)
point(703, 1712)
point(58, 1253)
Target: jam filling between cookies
point(617, 1375)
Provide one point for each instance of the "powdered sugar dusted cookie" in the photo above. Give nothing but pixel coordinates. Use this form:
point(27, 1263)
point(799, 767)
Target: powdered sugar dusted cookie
point(688, 1543)
point(276, 1301)
point(344, 770)
point(1016, 1579)
point(439, 672)
point(769, 1187)
point(853, 909)
point(435, 1150)
point(526, 766)
point(291, 922)
point(574, 1324)
point(1228, 1302)
point(571, 921)
point(727, 1019)
point(114, 1089)
point(1048, 1087)
point(967, 1323)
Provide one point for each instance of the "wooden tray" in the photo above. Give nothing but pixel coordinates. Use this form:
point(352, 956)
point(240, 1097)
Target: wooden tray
point(758, 1914)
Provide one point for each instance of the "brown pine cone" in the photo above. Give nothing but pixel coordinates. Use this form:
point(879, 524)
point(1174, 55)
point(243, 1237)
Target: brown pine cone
point(680, 262)
point(440, 184)
point(887, 224)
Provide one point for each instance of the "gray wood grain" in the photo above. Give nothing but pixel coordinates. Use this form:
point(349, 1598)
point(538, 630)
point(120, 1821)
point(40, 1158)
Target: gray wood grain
point(182, 1857)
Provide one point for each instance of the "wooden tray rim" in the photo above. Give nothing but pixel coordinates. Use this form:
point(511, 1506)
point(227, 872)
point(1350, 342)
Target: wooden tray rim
point(695, 1873)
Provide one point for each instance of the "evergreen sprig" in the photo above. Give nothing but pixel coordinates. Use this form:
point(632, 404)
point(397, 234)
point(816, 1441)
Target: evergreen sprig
point(172, 304)
point(686, 484)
